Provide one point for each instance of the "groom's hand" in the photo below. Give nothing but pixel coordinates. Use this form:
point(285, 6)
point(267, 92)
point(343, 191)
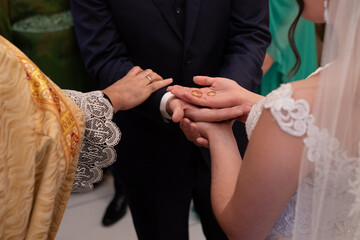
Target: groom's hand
point(220, 93)
point(176, 108)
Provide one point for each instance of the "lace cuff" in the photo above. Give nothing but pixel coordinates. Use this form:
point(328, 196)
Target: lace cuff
point(101, 135)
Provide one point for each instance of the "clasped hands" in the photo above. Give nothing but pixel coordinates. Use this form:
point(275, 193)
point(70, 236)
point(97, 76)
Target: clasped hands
point(202, 112)
point(211, 110)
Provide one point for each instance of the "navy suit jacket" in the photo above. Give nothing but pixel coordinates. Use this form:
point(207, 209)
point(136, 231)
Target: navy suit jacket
point(225, 38)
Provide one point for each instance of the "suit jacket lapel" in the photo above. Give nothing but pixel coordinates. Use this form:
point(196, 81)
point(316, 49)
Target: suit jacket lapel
point(191, 14)
point(168, 13)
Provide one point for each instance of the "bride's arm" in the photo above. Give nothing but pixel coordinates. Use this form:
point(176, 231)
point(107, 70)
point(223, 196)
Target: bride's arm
point(249, 196)
point(267, 180)
point(225, 167)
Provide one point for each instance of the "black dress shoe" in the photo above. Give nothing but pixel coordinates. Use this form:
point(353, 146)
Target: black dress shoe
point(115, 211)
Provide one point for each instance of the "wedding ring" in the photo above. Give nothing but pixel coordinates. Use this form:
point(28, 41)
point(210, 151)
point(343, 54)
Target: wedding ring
point(148, 77)
point(211, 93)
point(196, 93)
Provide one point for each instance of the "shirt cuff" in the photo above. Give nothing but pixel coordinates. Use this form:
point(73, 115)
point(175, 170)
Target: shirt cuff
point(163, 103)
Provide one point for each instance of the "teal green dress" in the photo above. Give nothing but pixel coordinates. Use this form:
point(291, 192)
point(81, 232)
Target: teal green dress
point(282, 14)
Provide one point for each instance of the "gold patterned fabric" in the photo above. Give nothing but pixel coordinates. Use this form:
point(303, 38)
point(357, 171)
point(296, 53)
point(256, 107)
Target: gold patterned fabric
point(41, 130)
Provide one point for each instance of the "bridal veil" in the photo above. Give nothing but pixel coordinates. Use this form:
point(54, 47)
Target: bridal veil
point(328, 204)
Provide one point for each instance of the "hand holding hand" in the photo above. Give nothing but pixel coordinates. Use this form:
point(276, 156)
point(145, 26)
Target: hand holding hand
point(134, 88)
point(239, 113)
point(180, 109)
point(201, 133)
point(176, 108)
point(221, 93)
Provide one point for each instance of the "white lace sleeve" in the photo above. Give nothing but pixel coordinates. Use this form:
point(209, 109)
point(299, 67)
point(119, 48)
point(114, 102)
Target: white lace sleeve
point(293, 116)
point(101, 135)
point(254, 116)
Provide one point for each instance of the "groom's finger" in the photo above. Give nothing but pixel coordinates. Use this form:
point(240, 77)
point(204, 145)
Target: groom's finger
point(204, 80)
point(178, 113)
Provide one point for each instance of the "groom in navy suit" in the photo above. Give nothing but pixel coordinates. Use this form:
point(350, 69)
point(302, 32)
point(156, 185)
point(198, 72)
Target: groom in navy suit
point(158, 169)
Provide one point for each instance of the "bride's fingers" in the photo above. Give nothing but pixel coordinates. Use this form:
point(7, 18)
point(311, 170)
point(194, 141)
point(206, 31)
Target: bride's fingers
point(186, 128)
point(202, 142)
point(192, 133)
point(216, 115)
point(199, 140)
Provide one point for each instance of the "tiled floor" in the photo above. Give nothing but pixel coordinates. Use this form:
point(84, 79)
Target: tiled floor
point(82, 219)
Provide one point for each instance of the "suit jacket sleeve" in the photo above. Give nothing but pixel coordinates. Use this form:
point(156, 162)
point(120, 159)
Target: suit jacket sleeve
point(247, 43)
point(103, 50)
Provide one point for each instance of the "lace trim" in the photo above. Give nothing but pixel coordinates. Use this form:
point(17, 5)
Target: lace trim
point(355, 190)
point(292, 115)
point(101, 135)
point(254, 116)
point(284, 226)
point(336, 175)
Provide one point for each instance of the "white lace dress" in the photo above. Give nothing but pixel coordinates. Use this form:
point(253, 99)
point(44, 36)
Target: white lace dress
point(293, 117)
point(340, 192)
point(101, 135)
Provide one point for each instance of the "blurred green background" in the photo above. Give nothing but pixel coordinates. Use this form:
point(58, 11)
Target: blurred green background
point(44, 31)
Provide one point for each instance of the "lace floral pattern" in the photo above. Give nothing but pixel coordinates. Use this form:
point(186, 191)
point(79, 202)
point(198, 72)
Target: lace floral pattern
point(355, 190)
point(329, 159)
point(101, 135)
point(254, 116)
point(341, 190)
point(283, 228)
point(292, 115)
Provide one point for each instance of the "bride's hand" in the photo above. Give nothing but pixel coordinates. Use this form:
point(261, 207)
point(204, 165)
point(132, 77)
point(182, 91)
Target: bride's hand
point(201, 133)
point(134, 88)
point(221, 93)
point(218, 115)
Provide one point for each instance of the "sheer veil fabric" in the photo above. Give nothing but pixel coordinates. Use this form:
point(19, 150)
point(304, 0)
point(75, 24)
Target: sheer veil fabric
point(328, 204)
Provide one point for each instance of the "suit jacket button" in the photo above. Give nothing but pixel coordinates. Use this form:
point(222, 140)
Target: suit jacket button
point(188, 60)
